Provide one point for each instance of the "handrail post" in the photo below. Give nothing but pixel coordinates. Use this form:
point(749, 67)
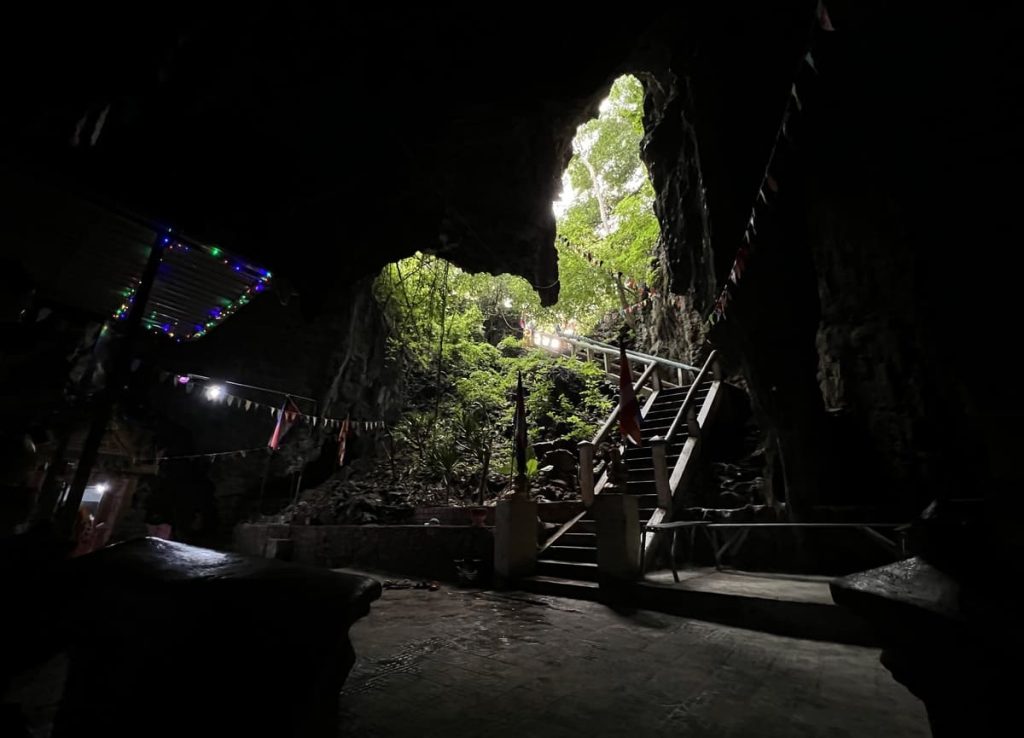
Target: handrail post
point(692, 426)
point(586, 450)
point(716, 368)
point(656, 379)
point(659, 454)
point(679, 377)
point(606, 369)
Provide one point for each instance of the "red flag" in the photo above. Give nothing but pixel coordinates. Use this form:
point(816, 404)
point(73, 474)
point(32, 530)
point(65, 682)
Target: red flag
point(285, 420)
point(341, 441)
point(519, 427)
point(629, 406)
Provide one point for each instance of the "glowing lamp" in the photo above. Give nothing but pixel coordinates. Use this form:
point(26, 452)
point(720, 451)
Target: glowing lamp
point(214, 392)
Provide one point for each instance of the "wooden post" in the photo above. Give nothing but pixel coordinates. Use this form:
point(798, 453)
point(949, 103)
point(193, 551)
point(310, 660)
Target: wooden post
point(115, 386)
point(606, 369)
point(659, 454)
point(586, 450)
point(656, 380)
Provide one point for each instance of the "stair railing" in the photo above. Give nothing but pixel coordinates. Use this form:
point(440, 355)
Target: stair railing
point(588, 487)
point(586, 448)
point(664, 483)
point(591, 348)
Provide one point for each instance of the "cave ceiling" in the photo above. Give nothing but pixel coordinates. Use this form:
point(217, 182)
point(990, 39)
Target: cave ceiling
point(324, 143)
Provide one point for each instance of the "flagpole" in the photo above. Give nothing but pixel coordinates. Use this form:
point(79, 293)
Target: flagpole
point(263, 484)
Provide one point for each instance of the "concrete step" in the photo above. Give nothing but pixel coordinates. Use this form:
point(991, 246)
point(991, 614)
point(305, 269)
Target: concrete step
point(782, 604)
point(647, 501)
point(576, 538)
point(561, 552)
point(587, 526)
point(560, 587)
point(783, 612)
point(582, 571)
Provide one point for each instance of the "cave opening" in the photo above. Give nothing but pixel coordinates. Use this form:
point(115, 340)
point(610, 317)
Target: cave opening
point(770, 394)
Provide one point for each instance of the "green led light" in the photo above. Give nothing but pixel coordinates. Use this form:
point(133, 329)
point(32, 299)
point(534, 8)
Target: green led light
point(214, 251)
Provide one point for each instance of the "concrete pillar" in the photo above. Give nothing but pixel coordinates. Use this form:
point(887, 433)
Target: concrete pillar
point(659, 454)
point(586, 450)
point(515, 538)
point(692, 426)
point(618, 538)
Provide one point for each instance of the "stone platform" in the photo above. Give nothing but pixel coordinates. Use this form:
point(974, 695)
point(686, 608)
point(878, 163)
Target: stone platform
point(457, 662)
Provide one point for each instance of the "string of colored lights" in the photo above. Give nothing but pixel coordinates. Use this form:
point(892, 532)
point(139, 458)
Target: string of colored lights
point(250, 281)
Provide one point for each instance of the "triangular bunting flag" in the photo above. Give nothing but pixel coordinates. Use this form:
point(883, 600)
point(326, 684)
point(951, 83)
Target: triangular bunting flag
point(248, 405)
point(231, 400)
point(823, 19)
point(796, 98)
point(810, 62)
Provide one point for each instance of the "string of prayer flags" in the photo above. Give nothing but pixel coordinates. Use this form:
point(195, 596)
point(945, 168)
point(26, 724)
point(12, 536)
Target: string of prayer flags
point(240, 453)
point(289, 415)
point(769, 184)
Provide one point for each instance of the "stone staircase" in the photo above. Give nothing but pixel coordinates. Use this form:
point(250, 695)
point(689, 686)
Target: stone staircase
point(567, 562)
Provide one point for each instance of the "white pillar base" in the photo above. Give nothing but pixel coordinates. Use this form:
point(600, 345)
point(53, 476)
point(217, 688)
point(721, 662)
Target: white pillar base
point(618, 538)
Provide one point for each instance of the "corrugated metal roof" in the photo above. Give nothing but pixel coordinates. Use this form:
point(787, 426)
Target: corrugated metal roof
point(196, 288)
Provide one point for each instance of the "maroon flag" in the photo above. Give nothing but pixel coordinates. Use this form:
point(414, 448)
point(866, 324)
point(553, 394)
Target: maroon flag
point(342, 435)
point(285, 420)
point(629, 406)
point(519, 427)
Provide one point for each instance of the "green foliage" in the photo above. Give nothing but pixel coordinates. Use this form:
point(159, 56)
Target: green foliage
point(459, 388)
point(609, 214)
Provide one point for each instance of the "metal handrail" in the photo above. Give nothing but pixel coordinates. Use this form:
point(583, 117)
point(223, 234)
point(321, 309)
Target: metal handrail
point(691, 397)
point(709, 529)
point(614, 350)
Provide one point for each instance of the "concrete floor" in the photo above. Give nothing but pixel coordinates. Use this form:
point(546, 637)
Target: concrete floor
point(454, 663)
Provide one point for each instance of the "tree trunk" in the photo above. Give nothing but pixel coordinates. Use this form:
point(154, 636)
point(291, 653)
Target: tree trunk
point(602, 206)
